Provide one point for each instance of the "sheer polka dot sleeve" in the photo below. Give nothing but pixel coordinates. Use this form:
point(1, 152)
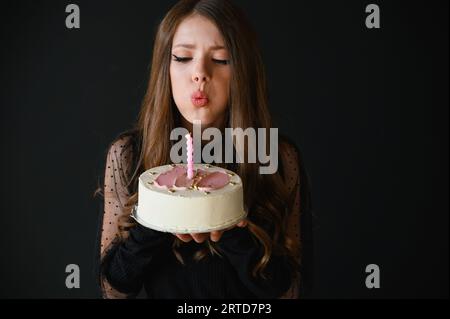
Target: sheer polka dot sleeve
point(116, 196)
point(290, 161)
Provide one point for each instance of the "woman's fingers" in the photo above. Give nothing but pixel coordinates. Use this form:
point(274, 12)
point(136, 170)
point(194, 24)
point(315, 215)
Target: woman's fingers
point(242, 223)
point(184, 237)
point(200, 237)
point(215, 235)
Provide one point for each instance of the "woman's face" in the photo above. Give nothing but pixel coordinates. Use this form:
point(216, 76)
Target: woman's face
point(200, 71)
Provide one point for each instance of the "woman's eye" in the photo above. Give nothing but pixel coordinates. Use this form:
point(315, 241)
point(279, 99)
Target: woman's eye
point(187, 59)
point(225, 62)
point(181, 59)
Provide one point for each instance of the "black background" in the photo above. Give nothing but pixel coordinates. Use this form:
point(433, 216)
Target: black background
point(367, 107)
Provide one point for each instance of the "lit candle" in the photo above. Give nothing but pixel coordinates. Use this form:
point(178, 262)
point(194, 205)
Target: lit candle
point(190, 161)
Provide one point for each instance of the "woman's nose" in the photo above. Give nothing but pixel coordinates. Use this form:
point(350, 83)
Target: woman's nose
point(200, 74)
point(199, 78)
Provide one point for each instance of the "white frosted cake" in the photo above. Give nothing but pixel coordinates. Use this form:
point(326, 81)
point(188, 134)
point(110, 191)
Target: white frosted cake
point(169, 201)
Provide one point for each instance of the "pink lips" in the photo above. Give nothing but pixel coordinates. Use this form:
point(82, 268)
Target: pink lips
point(199, 98)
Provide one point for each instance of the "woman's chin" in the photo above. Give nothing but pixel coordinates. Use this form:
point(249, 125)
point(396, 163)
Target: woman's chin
point(205, 117)
point(204, 120)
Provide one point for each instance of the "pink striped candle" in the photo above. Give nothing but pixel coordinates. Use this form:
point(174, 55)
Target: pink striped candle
point(190, 161)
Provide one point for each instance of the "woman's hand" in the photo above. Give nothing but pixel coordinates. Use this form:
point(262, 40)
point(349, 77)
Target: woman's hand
point(214, 235)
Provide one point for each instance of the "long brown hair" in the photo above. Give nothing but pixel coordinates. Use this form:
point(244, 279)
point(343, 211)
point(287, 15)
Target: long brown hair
point(265, 196)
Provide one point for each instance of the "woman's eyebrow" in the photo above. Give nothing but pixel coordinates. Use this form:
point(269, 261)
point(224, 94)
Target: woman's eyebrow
point(192, 46)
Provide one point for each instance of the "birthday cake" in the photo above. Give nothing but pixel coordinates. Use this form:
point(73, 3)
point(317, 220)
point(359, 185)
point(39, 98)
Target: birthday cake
point(189, 198)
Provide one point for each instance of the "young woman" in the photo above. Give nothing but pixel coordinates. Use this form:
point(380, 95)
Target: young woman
point(206, 66)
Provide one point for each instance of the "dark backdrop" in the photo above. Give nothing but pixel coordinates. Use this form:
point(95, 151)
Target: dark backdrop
point(368, 109)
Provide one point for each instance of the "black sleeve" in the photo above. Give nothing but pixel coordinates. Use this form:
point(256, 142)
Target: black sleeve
point(125, 263)
point(244, 251)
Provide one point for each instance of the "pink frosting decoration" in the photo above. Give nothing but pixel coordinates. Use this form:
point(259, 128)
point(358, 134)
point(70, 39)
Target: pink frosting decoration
point(167, 179)
point(177, 178)
point(201, 172)
point(215, 180)
point(183, 182)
